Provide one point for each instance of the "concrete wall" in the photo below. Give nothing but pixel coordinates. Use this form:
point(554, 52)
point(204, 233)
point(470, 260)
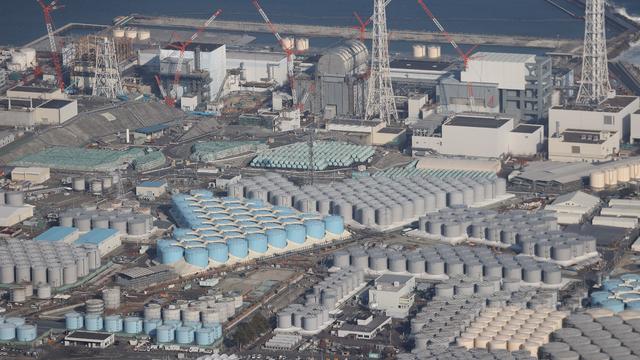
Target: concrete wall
point(564, 151)
point(525, 143)
point(634, 128)
point(258, 69)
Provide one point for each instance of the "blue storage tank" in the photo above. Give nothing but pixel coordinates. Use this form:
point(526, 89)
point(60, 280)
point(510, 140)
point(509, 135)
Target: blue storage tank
point(254, 203)
point(597, 297)
point(315, 228)
point(93, 322)
point(234, 234)
point(150, 326)
point(633, 305)
point(289, 220)
point(171, 254)
point(217, 329)
point(163, 243)
point(201, 193)
point(192, 244)
point(73, 321)
point(630, 297)
point(165, 334)
point(266, 218)
point(630, 277)
point(7, 331)
point(257, 213)
point(17, 321)
point(228, 228)
point(197, 256)
point(610, 284)
point(192, 324)
point(238, 247)
point(205, 336)
point(283, 210)
point(334, 224)
point(224, 222)
point(621, 289)
point(245, 217)
point(257, 242)
point(614, 305)
point(296, 233)
point(238, 211)
point(254, 229)
point(247, 223)
point(277, 238)
point(307, 216)
point(26, 333)
point(173, 323)
point(272, 225)
point(214, 238)
point(185, 335)
point(132, 325)
point(218, 252)
point(113, 323)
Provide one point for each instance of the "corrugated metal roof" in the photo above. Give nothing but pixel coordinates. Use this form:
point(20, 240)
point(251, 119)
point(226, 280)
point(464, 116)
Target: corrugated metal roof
point(56, 233)
point(503, 57)
point(96, 236)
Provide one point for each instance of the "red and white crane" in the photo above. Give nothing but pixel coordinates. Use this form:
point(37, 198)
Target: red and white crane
point(167, 99)
point(362, 25)
point(182, 47)
point(287, 48)
point(46, 10)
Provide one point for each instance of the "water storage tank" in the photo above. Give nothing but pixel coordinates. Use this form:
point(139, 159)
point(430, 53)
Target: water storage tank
point(144, 35)
point(296, 233)
point(165, 334)
point(623, 173)
point(277, 238)
point(197, 256)
point(334, 224)
point(434, 52)
point(315, 229)
point(150, 326)
point(7, 331)
point(18, 294)
point(83, 222)
point(185, 335)
point(132, 325)
point(73, 321)
point(93, 322)
point(205, 336)
point(111, 298)
point(419, 51)
point(113, 323)
point(302, 44)
point(131, 33)
point(238, 247)
point(152, 311)
point(118, 33)
point(288, 43)
point(94, 306)
point(218, 252)
point(78, 184)
point(44, 292)
point(171, 254)
point(257, 242)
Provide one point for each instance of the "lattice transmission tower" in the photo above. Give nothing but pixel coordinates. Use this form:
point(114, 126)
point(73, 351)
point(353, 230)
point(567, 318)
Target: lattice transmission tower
point(106, 81)
point(595, 86)
point(380, 101)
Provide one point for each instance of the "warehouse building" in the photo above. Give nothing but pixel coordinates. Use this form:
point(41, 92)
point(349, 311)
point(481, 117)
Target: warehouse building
point(139, 278)
point(35, 92)
point(573, 145)
point(525, 81)
point(59, 233)
point(28, 112)
point(107, 240)
point(11, 215)
point(152, 132)
point(484, 135)
point(393, 294)
point(367, 328)
point(90, 339)
point(573, 207)
point(151, 188)
point(612, 115)
point(552, 177)
point(35, 175)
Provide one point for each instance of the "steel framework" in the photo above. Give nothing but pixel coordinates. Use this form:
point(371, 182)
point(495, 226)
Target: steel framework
point(106, 81)
point(380, 99)
point(594, 85)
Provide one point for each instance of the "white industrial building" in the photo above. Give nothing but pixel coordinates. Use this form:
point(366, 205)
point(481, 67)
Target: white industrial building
point(35, 175)
point(393, 294)
point(366, 328)
point(574, 145)
point(11, 215)
point(480, 135)
point(612, 115)
point(28, 112)
point(258, 66)
point(35, 92)
point(90, 339)
point(6, 138)
point(635, 127)
point(152, 188)
point(571, 208)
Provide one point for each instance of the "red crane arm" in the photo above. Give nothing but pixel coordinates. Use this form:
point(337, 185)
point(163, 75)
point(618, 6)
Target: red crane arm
point(453, 43)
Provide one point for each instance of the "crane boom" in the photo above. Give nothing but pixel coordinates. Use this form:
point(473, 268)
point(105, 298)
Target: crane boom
point(46, 10)
point(443, 31)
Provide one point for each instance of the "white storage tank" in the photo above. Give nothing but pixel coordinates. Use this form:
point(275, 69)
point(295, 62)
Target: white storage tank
point(419, 51)
point(144, 35)
point(597, 180)
point(118, 33)
point(434, 52)
point(131, 33)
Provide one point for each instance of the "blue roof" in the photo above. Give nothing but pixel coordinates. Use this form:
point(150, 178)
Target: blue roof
point(96, 236)
point(148, 130)
point(158, 183)
point(56, 233)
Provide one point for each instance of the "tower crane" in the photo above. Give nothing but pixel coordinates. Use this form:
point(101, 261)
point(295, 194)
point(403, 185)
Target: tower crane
point(167, 99)
point(46, 10)
point(182, 47)
point(287, 48)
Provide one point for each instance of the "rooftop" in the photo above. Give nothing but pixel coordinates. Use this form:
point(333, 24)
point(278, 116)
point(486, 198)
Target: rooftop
point(193, 46)
point(89, 335)
point(526, 128)
point(148, 130)
point(34, 89)
point(419, 65)
point(476, 121)
point(256, 55)
point(156, 184)
point(375, 323)
point(391, 130)
point(390, 280)
point(56, 233)
point(611, 105)
point(21, 103)
point(96, 236)
point(56, 104)
point(138, 272)
point(503, 57)
point(355, 122)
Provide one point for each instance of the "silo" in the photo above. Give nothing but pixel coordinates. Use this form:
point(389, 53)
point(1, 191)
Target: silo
point(73, 321)
point(435, 266)
point(23, 272)
point(14, 198)
point(378, 261)
point(454, 266)
point(561, 252)
point(360, 259)
point(93, 322)
point(132, 325)
point(111, 298)
point(78, 183)
point(7, 273)
point(137, 226)
point(551, 275)
point(171, 313)
point(397, 263)
point(69, 274)
point(113, 324)
point(512, 272)
point(416, 265)
point(43, 291)
point(100, 222)
point(54, 276)
point(152, 311)
point(532, 274)
point(82, 222)
point(185, 335)
point(197, 256)
point(120, 224)
point(7, 332)
point(18, 294)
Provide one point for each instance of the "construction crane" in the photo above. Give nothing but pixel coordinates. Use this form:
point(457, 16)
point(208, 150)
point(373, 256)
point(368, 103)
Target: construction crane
point(167, 99)
point(305, 96)
point(48, 20)
point(362, 25)
point(182, 47)
point(287, 48)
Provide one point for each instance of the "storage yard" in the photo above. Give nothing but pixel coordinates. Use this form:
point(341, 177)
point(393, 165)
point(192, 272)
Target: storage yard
point(184, 188)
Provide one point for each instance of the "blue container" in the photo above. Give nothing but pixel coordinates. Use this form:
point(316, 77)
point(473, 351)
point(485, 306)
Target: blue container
point(163, 243)
point(289, 220)
point(334, 224)
point(73, 321)
point(228, 228)
point(630, 297)
point(283, 210)
point(254, 229)
point(247, 223)
point(296, 233)
point(233, 234)
point(217, 330)
point(238, 247)
point(7, 331)
point(173, 323)
point(165, 334)
point(150, 326)
point(597, 297)
point(277, 238)
point(238, 211)
point(257, 242)
point(26, 333)
point(192, 324)
point(199, 193)
point(315, 229)
point(213, 238)
point(218, 252)
point(266, 219)
point(171, 254)
point(185, 335)
point(257, 213)
point(621, 289)
point(197, 256)
point(93, 322)
point(309, 216)
point(633, 305)
point(133, 325)
point(608, 285)
point(17, 321)
point(254, 203)
point(244, 218)
point(272, 225)
point(192, 244)
point(224, 222)
point(205, 336)
point(113, 323)
point(614, 305)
